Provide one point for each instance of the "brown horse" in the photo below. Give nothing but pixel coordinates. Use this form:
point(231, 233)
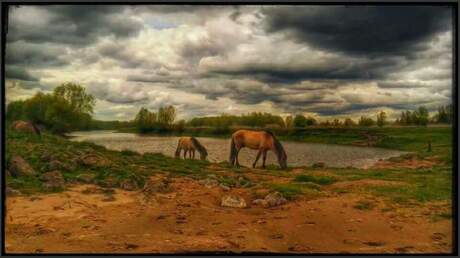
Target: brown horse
point(257, 140)
point(190, 144)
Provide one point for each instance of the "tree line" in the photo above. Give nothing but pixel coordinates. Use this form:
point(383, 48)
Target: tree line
point(67, 108)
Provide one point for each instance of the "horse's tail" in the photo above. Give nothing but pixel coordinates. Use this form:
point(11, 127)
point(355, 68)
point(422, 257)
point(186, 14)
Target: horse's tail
point(177, 150)
point(232, 152)
point(37, 131)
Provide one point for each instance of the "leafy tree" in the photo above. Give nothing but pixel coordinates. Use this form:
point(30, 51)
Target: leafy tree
point(366, 121)
point(77, 97)
point(381, 119)
point(289, 122)
point(348, 122)
point(300, 121)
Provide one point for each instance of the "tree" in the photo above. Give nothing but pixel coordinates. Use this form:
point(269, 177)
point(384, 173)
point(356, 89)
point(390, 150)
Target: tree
point(15, 110)
point(381, 119)
point(348, 122)
point(76, 95)
point(422, 116)
point(310, 121)
point(300, 121)
point(289, 122)
point(366, 121)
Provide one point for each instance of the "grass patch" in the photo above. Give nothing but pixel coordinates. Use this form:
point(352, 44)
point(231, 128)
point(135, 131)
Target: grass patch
point(364, 205)
point(321, 180)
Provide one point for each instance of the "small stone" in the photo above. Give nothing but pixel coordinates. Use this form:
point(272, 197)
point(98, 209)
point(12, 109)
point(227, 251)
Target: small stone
point(233, 201)
point(209, 183)
point(274, 199)
point(86, 178)
point(319, 165)
point(224, 187)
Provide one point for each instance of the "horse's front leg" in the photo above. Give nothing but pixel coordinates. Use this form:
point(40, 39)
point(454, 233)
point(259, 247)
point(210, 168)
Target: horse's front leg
point(185, 154)
point(237, 152)
point(190, 154)
point(264, 158)
point(193, 154)
point(257, 159)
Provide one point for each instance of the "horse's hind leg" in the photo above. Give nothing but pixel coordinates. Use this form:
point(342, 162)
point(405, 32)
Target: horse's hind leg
point(264, 157)
point(257, 159)
point(190, 154)
point(185, 154)
point(193, 154)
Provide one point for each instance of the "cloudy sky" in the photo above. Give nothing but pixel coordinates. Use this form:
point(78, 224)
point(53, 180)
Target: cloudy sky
point(329, 61)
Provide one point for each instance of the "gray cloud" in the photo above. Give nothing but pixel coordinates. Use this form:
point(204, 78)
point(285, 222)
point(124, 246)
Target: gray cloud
point(75, 25)
point(19, 73)
point(35, 55)
point(361, 30)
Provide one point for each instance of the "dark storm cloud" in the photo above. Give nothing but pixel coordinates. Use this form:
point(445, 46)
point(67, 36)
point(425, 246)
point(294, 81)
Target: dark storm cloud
point(361, 30)
point(75, 25)
point(35, 55)
point(403, 84)
point(18, 73)
point(366, 69)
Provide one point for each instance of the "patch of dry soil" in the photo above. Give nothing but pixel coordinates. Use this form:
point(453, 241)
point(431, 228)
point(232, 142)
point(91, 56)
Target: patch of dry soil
point(190, 218)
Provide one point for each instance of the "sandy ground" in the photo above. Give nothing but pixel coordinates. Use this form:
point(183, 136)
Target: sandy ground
point(190, 218)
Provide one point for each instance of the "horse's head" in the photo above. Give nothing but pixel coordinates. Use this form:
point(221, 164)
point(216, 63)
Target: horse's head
point(203, 155)
point(282, 159)
point(281, 153)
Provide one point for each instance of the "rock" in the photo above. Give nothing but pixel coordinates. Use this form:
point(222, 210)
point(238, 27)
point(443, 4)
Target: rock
point(86, 178)
point(224, 187)
point(209, 183)
point(128, 185)
point(271, 200)
point(258, 202)
point(56, 164)
point(11, 192)
point(153, 186)
point(53, 180)
point(233, 201)
point(19, 167)
point(25, 127)
point(319, 165)
point(108, 182)
point(93, 160)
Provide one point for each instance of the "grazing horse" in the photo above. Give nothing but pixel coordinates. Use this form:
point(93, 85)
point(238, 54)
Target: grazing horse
point(190, 144)
point(257, 140)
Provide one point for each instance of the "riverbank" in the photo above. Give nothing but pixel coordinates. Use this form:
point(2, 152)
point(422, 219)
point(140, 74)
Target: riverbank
point(377, 207)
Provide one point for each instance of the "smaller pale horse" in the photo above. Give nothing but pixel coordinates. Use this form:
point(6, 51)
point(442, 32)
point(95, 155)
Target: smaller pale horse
point(190, 144)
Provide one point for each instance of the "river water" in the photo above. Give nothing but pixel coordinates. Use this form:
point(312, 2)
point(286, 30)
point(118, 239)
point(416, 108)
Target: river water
point(299, 153)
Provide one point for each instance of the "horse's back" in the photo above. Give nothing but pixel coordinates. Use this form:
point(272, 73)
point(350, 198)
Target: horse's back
point(251, 139)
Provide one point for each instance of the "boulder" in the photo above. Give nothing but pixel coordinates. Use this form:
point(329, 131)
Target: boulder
point(93, 160)
point(233, 201)
point(156, 185)
point(53, 180)
point(25, 127)
point(86, 178)
point(19, 167)
point(11, 192)
point(56, 165)
point(128, 184)
point(209, 183)
point(271, 200)
point(274, 199)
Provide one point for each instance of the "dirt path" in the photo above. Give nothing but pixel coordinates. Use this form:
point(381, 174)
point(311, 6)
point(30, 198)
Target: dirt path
point(190, 218)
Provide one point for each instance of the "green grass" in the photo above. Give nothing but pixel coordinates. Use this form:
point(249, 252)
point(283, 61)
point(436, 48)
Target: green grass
point(321, 180)
point(364, 205)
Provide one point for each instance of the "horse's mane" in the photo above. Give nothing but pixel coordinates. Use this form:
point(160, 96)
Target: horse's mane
point(279, 148)
point(197, 145)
